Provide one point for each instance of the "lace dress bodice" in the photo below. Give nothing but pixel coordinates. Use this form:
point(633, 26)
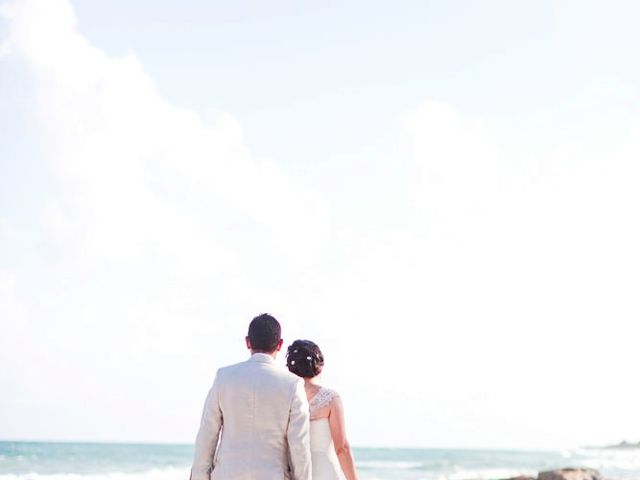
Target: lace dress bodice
point(324, 462)
point(322, 399)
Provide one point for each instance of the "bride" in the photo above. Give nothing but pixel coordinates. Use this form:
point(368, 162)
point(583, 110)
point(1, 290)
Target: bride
point(329, 446)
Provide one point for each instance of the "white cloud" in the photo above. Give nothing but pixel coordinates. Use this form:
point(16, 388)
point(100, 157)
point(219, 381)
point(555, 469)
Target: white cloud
point(510, 294)
point(123, 154)
point(151, 213)
point(11, 310)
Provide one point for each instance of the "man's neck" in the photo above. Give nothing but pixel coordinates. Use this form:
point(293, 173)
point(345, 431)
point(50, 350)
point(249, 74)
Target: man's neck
point(271, 354)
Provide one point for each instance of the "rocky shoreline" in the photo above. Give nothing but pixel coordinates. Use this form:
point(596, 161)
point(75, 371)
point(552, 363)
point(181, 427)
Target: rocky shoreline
point(564, 474)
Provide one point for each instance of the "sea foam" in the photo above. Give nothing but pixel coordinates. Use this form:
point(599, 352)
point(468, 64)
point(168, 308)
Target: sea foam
point(169, 473)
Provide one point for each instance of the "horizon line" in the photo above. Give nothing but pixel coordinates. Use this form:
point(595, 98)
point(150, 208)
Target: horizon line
point(363, 447)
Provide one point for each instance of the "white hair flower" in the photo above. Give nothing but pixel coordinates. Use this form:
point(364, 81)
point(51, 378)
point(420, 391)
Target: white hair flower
point(308, 358)
point(293, 362)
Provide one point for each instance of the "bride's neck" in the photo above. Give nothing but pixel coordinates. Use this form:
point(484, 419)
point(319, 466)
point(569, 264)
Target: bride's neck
point(311, 381)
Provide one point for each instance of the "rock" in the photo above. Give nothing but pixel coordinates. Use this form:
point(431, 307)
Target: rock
point(623, 445)
point(571, 474)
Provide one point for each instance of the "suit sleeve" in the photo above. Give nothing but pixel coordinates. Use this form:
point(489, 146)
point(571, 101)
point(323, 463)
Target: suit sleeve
point(298, 435)
point(207, 438)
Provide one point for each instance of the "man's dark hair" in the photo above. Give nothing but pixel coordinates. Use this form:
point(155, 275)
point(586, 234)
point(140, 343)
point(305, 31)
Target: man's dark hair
point(264, 333)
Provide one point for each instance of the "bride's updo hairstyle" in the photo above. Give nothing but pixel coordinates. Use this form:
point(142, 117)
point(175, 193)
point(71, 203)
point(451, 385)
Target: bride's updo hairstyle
point(305, 359)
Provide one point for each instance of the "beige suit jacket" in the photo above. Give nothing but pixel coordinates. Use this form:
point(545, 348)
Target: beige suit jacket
point(255, 424)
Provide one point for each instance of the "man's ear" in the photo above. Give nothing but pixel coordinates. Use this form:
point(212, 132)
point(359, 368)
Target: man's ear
point(279, 345)
point(246, 339)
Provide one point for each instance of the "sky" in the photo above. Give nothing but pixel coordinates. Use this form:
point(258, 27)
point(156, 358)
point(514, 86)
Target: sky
point(442, 195)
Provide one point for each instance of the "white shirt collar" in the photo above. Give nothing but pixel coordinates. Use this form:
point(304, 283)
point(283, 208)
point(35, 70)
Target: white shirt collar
point(262, 358)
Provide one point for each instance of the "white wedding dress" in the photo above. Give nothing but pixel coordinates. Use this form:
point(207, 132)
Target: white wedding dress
point(324, 461)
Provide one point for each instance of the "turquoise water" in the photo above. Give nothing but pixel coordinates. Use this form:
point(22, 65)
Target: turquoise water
point(93, 461)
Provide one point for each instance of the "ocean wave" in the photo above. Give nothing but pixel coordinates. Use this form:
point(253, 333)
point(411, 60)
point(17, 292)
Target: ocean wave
point(385, 468)
point(483, 474)
point(389, 465)
point(169, 473)
point(611, 459)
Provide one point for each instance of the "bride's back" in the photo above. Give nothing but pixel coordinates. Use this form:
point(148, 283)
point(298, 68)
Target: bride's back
point(324, 460)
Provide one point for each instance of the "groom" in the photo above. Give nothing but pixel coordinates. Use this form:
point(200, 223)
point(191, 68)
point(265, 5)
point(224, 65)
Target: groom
point(255, 423)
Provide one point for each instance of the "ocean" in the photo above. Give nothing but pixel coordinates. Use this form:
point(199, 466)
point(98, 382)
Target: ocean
point(95, 461)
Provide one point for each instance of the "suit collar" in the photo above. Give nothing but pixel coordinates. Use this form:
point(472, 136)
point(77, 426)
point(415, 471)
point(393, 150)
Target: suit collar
point(261, 358)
